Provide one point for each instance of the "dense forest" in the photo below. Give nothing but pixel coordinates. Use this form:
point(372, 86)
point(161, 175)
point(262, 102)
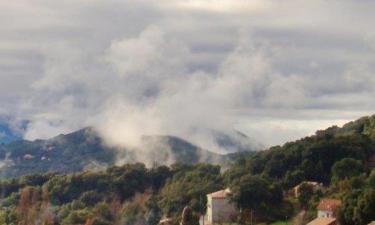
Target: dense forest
point(133, 194)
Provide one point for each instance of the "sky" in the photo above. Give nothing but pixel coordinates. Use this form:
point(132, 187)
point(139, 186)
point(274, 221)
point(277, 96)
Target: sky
point(274, 70)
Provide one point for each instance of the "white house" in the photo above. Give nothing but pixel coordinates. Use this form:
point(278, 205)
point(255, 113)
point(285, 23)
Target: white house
point(326, 212)
point(219, 208)
point(327, 208)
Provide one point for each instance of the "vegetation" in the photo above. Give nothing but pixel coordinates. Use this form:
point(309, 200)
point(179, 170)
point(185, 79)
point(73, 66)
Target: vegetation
point(85, 150)
point(133, 194)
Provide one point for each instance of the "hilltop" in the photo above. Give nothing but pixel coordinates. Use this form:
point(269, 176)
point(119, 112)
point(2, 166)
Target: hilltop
point(85, 150)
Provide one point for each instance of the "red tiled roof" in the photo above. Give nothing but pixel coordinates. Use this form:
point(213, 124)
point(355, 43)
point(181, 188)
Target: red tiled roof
point(323, 221)
point(329, 204)
point(220, 194)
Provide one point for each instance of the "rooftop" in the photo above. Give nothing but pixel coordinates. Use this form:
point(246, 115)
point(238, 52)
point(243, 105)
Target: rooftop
point(312, 183)
point(329, 204)
point(323, 221)
point(220, 194)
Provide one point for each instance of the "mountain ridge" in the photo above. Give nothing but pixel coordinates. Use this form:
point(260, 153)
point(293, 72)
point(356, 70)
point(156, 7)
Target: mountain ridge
point(84, 149)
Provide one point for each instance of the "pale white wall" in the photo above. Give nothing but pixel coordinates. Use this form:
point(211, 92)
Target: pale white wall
point(209, 210)
point(324, 214)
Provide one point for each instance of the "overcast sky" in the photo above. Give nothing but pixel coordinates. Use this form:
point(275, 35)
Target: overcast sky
point(274, 70)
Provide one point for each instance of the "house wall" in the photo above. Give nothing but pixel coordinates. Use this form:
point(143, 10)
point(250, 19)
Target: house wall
point(325, 214)
point(222, 210)
point(209, 210)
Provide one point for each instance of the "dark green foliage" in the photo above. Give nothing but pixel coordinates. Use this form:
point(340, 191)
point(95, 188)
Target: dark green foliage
point(346, 168)
point(307, 159)
point(153, 214)
point(358, 208)
point(159, 176)
point(293, 178)
point(10, 186)
point(188, 217)
point(77, 217)
point(306, 191)
point(255, 192)
point(121, 181)
point(133, 214)
point(90, 198)
point(358, 197)
point(364, 125)
point(126, 195)
point(365, 210)
point(189, 186)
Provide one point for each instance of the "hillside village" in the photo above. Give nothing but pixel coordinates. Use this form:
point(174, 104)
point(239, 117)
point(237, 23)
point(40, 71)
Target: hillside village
point(324, 179)
point(220, 209)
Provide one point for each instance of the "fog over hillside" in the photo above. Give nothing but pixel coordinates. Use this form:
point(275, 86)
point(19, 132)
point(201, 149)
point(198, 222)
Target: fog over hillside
point(186, 68)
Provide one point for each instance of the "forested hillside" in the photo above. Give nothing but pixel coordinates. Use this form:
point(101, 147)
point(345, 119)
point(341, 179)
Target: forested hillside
point(133, 194)
point(311, 158)
point(86, 150)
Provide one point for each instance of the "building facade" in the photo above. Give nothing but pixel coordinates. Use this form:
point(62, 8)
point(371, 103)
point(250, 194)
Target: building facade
point(327, 208)
point(219, 208)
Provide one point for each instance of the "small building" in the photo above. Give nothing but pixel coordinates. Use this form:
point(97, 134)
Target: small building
point(219, 208)
point(323, 221)
point(315, 185)
point(327, 208)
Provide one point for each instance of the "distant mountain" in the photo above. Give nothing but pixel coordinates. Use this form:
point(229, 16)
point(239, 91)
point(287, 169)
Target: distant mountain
point(85, 149)
point(7, 135)
point(236, 141)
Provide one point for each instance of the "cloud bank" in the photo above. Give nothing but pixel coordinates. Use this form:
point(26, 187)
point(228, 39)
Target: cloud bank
point(273, 70)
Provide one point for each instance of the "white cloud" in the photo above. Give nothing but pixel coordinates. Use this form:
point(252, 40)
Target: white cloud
point(222, 5)
point(185, 67)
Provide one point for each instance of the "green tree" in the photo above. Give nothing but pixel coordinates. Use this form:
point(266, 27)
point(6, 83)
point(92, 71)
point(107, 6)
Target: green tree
point(188, 185)
point(357, 208)
point(253, 192)
point(306, 191)
point(292, 178)
point(90, 198)
point(364, 213)
point(346, 168)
